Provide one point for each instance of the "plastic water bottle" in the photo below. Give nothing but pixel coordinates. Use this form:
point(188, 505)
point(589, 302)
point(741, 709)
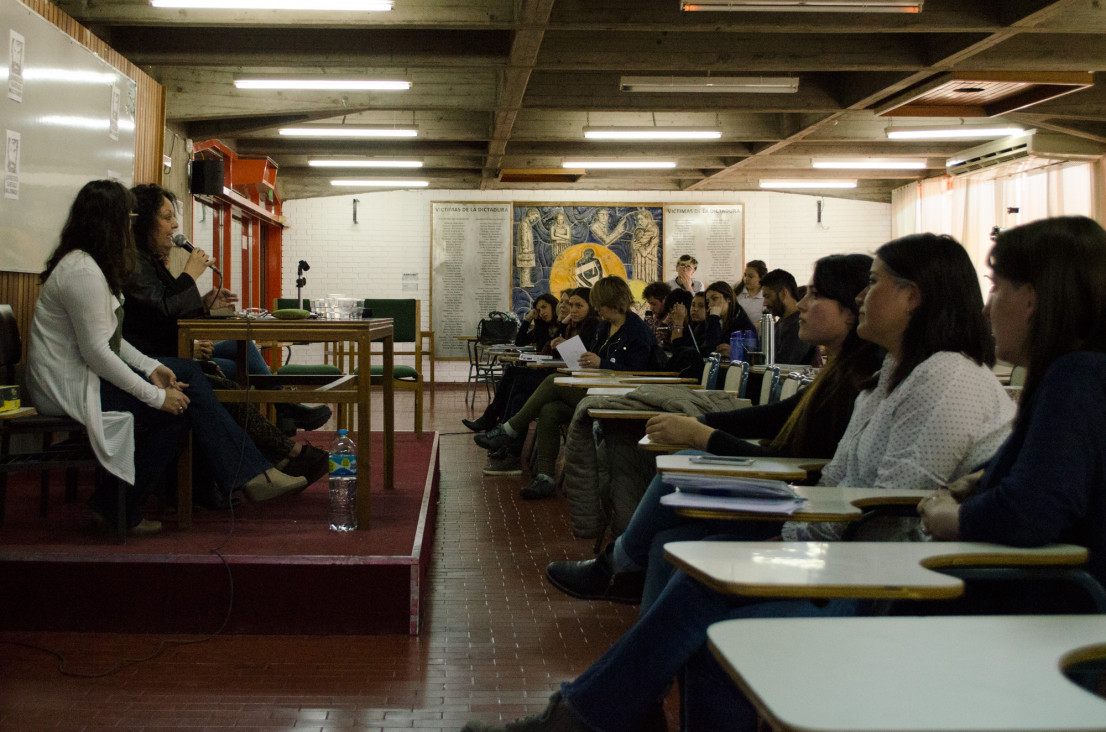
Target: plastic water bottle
point(737, 346)
point(343, 483)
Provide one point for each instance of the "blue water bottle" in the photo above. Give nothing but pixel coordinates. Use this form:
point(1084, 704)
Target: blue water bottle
point(737, 346)
point(750, 343)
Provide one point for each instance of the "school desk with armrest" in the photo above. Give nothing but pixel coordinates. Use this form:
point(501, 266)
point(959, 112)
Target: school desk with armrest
point(941, 674)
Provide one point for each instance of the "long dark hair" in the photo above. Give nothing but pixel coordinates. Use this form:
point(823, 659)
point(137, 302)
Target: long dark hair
point(723, 288)
point(950, 315)
point(840, 277)
point(149, 198)
point(543, 331)
point(98, 224)
point(1064, 260)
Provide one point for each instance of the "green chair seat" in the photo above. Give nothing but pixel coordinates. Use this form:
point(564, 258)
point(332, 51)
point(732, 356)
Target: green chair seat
point(398, 372)
point(309, 369)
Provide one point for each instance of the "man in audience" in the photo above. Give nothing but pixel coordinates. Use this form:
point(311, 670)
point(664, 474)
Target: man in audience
point(685, 273)
point(780, 300)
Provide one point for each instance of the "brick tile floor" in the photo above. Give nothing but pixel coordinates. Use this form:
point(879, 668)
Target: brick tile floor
point(497, 639)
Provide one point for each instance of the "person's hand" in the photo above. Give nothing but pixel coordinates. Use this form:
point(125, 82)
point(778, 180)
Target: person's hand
point(723, 350)
point(589, 361)
point(677, 429)
point(940, 516)
point(202, 350)
point(163, 378)
point(684, 278)
point(175, 401)
point(220, 298)
point(197, 263)
point(556, 342)
point(532, 315)
point(677, 316)
point(963, 488)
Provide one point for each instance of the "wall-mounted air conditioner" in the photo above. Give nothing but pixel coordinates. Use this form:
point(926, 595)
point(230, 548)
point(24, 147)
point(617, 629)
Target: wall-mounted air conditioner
point(1028, 151)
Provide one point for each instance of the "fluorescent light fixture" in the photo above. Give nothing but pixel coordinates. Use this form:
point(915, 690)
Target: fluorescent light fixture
point(873, 164)
point(342, 131)
point(650, 133)
point(335, 5)
point(805, 6)
point(966, 132)
point(807, 183)
point(380, 183)
point(370, 163)
point(711, 84)
point(316, 84)
point(619, 164)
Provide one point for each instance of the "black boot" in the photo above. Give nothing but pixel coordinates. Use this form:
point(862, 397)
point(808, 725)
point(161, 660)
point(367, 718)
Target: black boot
point(556, 717)
point(300, 416)
point(594, 579)
point(480, 424)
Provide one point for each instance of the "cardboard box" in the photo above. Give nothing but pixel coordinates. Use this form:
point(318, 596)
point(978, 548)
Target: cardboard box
point(9, 398)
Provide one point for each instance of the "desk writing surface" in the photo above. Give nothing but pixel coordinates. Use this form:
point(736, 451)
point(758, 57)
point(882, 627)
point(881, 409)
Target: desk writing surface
point(779, 468)
point(859, 569)
point(609, 391)
point(823, 503)
point(942, 674)
point(640, 414)
point(650, 446)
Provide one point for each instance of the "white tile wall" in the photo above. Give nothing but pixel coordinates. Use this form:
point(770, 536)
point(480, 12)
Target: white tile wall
point(392, 237)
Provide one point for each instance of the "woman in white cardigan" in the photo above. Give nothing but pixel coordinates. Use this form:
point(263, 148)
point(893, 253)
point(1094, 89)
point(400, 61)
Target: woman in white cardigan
point(79, 365)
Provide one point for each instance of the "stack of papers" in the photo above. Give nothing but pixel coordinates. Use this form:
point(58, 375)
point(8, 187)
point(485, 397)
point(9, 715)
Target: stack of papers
point(534, 357)
point(727, 493)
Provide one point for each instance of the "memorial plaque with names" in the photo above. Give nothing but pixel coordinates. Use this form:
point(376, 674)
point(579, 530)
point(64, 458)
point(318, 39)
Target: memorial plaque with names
point(712, 233)
point(470, 249)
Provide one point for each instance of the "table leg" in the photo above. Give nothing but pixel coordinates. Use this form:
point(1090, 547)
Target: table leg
point(364, 432)
point(389, 413)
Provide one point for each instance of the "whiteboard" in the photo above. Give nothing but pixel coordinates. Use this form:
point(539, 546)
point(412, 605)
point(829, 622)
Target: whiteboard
point(67, 117)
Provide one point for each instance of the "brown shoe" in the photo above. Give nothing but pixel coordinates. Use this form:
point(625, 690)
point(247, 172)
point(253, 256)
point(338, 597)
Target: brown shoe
point(145, 527)
point(272, 484)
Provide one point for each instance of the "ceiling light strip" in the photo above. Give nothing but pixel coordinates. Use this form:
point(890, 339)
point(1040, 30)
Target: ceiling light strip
point(710, 84)
point(967, 132)
point(364, 163)
point(650, 133)
point(807, 183)
point(318, 84)
point(853, 164)
point(379, 183)
point(319, 5)
point(804, 6)
point(336, 131)
point(619, 164)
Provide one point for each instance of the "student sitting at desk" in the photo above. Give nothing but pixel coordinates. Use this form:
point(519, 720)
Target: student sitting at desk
point(1048, 481)
point(80, 365)
point(934, 413)
point(809, 424)
point(625, 343)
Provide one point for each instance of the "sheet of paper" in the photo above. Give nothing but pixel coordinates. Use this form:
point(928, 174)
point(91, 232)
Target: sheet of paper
point(570, 351)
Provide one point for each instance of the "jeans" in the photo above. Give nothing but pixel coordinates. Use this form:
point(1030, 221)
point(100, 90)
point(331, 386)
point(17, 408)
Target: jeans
point(225, 353)
point(633, 675)
point(227, 452)
point(157, 435)
point(653, 525)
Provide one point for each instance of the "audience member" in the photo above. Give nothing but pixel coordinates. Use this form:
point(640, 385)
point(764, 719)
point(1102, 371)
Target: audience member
point(749, 295)
point(686, 266)
point(80, 365)
point(935, 412)
point(780, 300)
point(722, 304)
point(809, 424)
point(625, 344)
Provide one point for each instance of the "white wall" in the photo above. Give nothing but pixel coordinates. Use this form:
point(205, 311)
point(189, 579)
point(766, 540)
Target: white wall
point(392, 236)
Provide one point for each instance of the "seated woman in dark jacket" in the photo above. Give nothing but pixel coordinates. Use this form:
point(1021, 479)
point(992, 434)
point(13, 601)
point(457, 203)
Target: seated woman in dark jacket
point(624, 343)
point(155, 300)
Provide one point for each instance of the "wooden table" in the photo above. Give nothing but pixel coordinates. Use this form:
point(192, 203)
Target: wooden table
point(942, 674)
point(901, 570)
point(349, 389)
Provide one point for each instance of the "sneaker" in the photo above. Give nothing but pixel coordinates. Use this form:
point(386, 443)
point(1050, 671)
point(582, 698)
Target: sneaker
point(494, 438)
point(594, 579)
point(509, 465)
point(272, 484)
point(542, 486)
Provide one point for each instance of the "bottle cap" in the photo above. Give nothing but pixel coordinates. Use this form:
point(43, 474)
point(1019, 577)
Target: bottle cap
point(342, 432)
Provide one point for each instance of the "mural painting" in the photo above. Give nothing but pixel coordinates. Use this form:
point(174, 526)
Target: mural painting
point(561, 246)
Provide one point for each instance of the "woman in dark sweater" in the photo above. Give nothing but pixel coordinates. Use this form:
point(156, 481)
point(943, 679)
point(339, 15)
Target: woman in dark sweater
point(1047, 483)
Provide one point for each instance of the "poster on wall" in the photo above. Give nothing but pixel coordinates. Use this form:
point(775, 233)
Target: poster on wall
point(469, 270)
point(560, 246)
point(712, 233)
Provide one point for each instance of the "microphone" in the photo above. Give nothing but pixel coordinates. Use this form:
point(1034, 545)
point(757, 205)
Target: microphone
point(179, 240)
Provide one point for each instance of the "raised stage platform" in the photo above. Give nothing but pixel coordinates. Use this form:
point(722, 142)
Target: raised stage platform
point(273, 567)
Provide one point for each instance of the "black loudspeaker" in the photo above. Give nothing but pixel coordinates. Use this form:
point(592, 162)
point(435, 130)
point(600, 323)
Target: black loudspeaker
point(207, 176)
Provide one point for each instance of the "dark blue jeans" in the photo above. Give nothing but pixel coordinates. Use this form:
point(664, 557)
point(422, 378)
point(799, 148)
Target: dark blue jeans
point(653, 525)
point(157, 437)
point(225, 353)
point(670, 639)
